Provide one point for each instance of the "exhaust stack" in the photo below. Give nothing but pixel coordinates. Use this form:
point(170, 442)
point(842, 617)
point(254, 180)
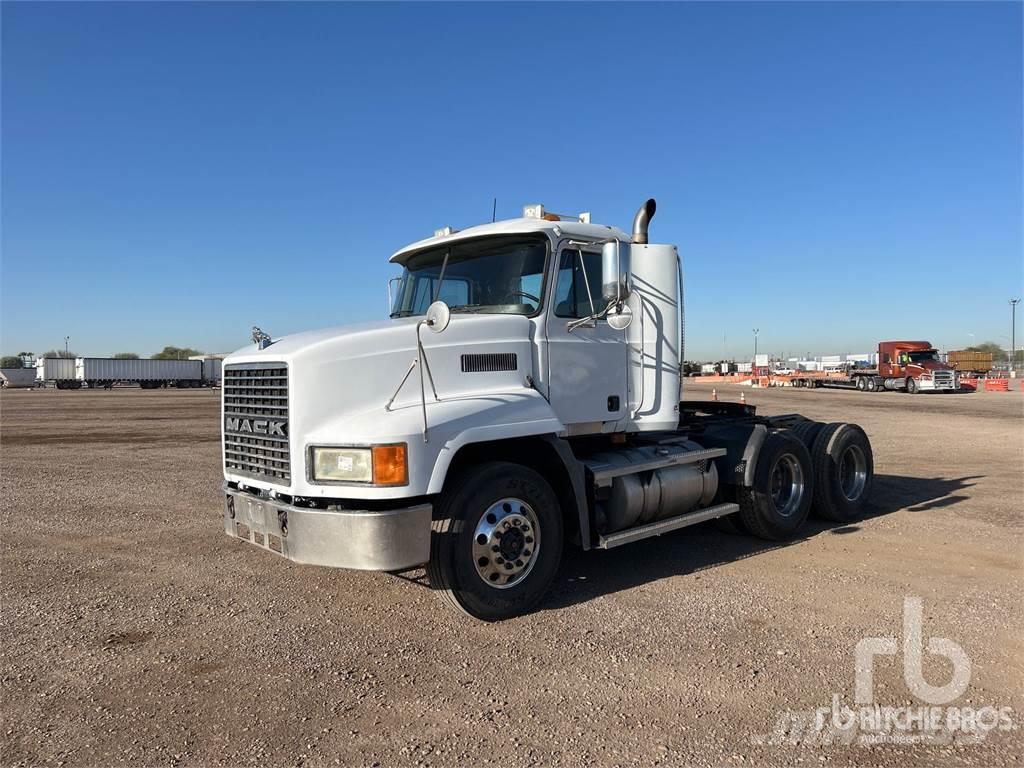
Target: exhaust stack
point(642, 220)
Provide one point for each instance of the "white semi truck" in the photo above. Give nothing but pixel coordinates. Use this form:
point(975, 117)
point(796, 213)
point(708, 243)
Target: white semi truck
point(524, 395)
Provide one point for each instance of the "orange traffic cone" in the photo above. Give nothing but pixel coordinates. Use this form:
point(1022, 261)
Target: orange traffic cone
point(714, 395)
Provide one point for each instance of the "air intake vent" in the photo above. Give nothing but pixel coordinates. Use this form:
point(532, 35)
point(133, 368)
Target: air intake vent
point(499, 361)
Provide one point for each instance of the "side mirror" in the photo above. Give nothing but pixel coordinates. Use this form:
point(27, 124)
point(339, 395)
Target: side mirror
point(438, 316)
point(615, 282)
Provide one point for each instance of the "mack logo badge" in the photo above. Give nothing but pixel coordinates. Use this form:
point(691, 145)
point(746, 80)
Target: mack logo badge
point(256, 426)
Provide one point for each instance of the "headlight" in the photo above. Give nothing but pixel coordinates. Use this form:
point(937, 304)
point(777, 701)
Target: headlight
point(378, 465)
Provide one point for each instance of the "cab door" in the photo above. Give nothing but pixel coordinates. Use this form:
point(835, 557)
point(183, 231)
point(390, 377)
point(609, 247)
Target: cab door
point(586, 366)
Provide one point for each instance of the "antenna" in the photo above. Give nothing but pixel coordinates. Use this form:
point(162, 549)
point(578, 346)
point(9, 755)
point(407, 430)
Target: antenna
point(494, 210)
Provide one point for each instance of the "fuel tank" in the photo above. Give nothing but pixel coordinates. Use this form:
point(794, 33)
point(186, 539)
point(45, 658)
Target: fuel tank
point(644, 497)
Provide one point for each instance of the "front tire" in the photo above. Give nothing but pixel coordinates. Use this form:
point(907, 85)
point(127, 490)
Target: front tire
point(777, 506)
point(496, 542)
point(912, 387)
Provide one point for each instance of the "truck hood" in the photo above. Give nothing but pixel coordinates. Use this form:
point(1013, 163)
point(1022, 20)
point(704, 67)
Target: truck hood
point(929, 366)
point(341, 379)
point(370, 344)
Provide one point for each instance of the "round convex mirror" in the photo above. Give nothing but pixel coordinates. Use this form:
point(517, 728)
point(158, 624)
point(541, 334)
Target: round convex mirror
point(438, 316)
point(620, 317)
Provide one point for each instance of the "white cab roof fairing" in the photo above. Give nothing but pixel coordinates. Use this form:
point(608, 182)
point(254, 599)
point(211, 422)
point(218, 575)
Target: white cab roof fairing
point(553, 229)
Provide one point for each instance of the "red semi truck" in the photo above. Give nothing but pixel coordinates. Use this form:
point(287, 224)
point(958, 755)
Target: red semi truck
point(909, 366)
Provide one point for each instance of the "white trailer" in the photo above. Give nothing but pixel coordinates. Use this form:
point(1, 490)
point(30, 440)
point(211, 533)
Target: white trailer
point(540, 407)
point(107, 371)
point(59, 370)
point(212, 365)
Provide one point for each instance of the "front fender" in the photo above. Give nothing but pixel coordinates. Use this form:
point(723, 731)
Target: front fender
point(492, 417)
point(451, 424)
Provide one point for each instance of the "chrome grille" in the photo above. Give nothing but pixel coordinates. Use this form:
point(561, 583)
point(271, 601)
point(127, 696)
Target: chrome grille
point(943, 379)
point(256, 421)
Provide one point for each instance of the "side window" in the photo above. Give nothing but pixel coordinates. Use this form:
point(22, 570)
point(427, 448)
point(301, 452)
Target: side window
point(423, 295)
point(576, 273)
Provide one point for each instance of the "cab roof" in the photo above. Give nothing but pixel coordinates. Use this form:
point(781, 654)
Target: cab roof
point(553, 229)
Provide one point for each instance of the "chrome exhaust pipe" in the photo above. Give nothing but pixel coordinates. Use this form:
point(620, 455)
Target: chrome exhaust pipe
point(642, 220)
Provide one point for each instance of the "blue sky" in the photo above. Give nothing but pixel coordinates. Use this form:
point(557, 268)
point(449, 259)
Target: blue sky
point(832, 173)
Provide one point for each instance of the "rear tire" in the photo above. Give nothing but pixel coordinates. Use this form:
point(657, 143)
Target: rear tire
point(844, 472)
point(872, 384)
point(806, 431)
point(862, 383)
point(496, 542)
point(778, 504)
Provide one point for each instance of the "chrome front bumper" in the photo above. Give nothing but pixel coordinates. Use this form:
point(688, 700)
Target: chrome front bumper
point(387, 540)
point(938, 385)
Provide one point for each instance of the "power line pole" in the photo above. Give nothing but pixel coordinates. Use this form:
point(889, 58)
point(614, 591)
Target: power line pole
point(756, 331)
point(66, 340)
point(1013, 332)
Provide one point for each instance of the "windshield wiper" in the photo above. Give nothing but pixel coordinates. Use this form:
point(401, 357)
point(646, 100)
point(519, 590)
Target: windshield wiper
point(468, 307)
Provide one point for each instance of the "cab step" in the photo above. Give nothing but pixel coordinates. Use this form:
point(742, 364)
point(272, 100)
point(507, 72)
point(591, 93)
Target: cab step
point(658, 527)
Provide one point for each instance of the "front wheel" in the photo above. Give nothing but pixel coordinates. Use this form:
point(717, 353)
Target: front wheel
point(496, 541)
point(912, 387)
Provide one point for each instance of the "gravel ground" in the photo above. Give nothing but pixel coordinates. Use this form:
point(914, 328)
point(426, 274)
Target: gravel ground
point(136, 633)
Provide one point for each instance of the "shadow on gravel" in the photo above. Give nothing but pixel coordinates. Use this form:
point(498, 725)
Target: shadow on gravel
point(588, 575)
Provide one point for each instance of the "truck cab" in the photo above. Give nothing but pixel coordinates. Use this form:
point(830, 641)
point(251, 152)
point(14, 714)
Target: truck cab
point(915, 366)
point(524, 393)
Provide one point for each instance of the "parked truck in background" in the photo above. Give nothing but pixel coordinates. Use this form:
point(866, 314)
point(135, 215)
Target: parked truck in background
point(908, 366)
point(524, 395)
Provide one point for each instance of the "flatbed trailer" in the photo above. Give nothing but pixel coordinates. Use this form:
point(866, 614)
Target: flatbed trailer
point(868, 379)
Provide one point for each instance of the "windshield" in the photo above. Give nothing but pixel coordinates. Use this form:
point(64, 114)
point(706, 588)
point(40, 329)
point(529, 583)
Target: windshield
point(928, 355)
point(494, 275)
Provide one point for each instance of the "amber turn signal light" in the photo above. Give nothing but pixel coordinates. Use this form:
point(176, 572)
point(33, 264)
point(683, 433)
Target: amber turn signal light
point(390, 465)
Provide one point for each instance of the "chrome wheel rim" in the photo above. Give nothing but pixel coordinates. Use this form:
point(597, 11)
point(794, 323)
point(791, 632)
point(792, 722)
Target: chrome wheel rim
point(505, 543)
point(853, 472)
point(787, 485)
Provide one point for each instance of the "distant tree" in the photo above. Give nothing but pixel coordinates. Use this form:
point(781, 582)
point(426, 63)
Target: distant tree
point(125, 356)
point(60, 353)
point(999, 354)
point(11, 361)
point(176, 353)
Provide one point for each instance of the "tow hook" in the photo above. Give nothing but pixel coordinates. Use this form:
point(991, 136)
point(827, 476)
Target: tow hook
point(282, 521)
point(231, 506)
